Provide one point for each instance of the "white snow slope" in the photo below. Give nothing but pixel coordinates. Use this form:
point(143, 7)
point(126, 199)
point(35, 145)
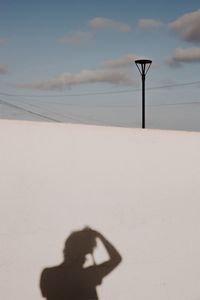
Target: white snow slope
point(140, 188)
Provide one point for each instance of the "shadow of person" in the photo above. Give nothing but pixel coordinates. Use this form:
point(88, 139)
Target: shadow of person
point(71, 280)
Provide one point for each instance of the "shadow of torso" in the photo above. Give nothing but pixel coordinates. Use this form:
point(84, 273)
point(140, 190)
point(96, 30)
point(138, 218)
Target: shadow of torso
point(68, 282)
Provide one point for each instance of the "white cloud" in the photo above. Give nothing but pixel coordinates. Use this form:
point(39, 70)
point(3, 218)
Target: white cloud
point(3, 69)
point(187, 27)
point(104, 23)
point(124, 61)
point(148, 24)
point(77, 38)
point(113, 72)
point(83, 77)
point(172, 62)
point(189, 55)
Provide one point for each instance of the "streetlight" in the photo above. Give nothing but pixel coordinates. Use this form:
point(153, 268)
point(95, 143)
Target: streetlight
point(143, 66)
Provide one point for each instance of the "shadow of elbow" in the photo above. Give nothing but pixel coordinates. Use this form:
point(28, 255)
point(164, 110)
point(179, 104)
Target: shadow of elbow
point(118, 260)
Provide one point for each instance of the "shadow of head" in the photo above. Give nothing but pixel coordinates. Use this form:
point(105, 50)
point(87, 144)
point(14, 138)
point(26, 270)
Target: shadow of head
point(78, 245)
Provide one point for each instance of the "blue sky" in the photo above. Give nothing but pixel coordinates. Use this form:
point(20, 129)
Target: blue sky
point(57, 47)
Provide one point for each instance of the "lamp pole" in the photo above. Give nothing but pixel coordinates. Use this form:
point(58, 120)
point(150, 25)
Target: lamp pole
point(143, 66)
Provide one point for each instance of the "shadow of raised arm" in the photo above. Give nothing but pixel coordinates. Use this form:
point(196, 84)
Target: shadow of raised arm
point(114, 257)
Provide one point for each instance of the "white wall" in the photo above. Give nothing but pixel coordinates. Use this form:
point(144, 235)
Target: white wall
point(141, 188)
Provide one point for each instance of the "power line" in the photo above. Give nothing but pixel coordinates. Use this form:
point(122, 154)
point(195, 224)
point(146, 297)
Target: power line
point(28, 111)
point(122, 105)
point(104, 93)
point(174, 104)
point(69, 115)
point(77, 118)
point(107, 105)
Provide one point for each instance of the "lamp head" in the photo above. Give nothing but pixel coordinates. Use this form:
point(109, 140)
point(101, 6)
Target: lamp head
point(143, 65)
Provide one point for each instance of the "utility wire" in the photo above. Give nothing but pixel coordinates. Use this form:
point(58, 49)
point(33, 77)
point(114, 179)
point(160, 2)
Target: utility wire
point(103, 105)
point(28, 111)
point(104, 93)
point(120, 105)
point(75, 117)
point(109, 105)
point(69, 115)
point(174, 104)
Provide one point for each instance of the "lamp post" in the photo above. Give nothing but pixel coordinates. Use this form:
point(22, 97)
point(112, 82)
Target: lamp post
point(143, 66)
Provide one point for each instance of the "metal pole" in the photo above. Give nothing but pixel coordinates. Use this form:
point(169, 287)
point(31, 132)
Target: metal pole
point(143, 100)
point(143, 66)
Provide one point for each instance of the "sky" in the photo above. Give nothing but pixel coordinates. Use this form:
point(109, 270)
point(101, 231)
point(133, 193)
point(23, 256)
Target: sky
point(58, 49)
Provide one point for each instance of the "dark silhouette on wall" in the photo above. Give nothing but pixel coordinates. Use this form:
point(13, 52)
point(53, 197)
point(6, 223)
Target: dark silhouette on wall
point(70, 280)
